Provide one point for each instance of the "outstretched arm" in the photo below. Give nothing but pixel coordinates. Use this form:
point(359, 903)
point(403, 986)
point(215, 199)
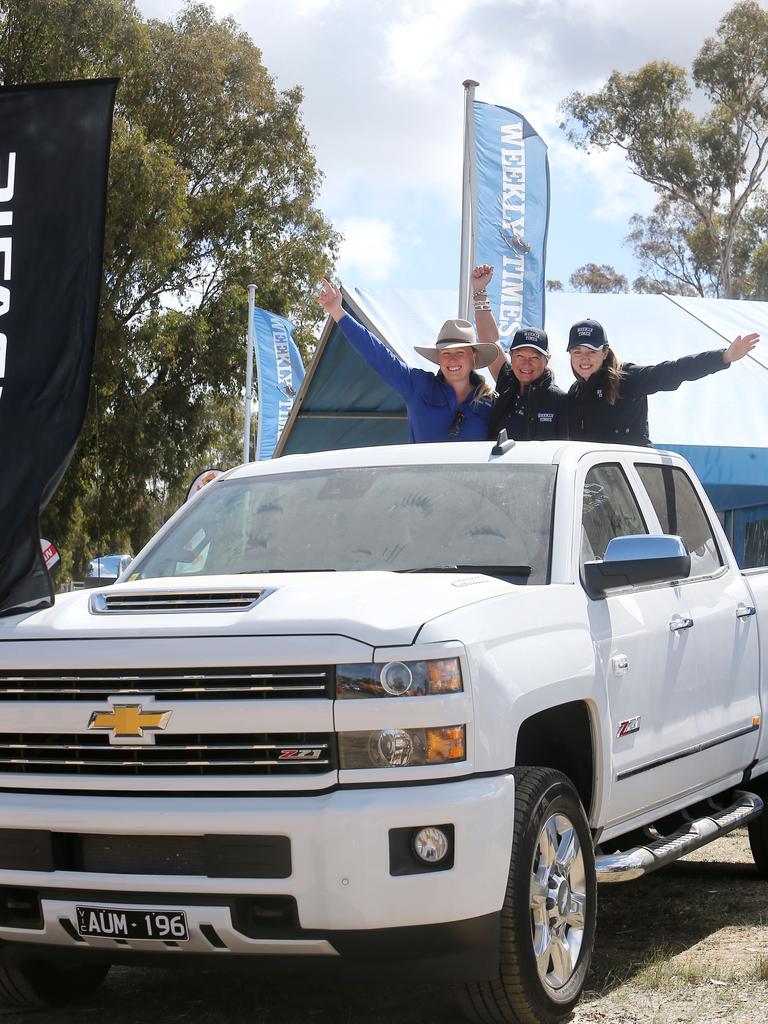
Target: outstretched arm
point(740, 347)
point(487, 329)
point(669, 376)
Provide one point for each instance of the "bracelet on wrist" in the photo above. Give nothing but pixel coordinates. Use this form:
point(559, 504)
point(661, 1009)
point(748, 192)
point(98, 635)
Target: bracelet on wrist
point(480, 299)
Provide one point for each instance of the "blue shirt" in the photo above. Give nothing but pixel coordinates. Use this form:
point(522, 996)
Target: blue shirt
point(434, 412)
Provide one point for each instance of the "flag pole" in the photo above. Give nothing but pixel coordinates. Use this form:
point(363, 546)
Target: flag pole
point(467, 204)
point(249, 374)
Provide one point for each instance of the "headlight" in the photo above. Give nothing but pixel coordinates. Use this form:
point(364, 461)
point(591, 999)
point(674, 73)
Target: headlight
point(399, 678)
point(402, 748)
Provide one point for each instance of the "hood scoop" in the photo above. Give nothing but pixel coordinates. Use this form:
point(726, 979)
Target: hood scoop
point(174, 601)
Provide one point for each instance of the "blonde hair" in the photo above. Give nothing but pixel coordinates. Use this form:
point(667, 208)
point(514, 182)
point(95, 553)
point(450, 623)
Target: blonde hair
point(483, 390)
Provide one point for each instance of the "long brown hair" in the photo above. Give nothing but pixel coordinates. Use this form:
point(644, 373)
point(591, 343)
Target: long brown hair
point(612, 366)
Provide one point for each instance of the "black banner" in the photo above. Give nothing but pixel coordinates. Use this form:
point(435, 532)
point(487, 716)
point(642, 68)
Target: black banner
point(54, 153)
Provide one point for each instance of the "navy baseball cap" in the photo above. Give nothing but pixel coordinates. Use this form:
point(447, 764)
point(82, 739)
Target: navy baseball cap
point(531, 337)
point(589, 333)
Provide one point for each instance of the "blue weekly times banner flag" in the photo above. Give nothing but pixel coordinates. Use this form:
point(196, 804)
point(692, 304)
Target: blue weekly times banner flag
point(280, 372)
point(511, 215)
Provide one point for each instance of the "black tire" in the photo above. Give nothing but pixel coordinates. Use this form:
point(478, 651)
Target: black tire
point(527, 990)
point(758, 842)
point(43, 984)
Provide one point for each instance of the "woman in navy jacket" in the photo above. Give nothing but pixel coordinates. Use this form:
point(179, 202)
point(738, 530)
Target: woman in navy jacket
point(609, 400)
point(451, 405)
point(530, 406)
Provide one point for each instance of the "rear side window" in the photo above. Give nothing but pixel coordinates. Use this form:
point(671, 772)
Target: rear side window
point(609, 510)
point(681, 513)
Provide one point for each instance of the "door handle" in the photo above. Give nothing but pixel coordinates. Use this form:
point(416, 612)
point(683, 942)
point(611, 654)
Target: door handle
point(680, 622)
point(745, 610)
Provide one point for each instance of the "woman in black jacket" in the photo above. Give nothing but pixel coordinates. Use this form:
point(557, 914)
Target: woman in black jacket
point(530, 406)
point(609, 401)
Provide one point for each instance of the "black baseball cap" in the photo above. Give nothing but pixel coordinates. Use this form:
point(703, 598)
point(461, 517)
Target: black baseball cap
point(531, 337)
point(589, 333)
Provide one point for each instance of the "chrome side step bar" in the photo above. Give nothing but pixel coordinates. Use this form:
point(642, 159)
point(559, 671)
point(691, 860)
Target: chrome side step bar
point(630, 864)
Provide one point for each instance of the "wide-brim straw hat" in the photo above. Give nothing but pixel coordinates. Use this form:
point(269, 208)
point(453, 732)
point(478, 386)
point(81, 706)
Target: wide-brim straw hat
point(460, 334)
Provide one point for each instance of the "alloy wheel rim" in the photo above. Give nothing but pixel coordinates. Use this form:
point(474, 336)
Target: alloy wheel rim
point(558, 901)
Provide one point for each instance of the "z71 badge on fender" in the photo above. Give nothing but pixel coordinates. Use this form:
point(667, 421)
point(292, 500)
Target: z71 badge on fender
point(629, 726)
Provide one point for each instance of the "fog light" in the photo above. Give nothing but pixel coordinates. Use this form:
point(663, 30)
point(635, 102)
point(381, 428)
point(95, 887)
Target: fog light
point(394, 747)
point(396, 678)
point(430, 845)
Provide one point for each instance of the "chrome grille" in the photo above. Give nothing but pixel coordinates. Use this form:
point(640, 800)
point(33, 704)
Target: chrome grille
point(178, 684)
point(178, 601)
point(209, 755)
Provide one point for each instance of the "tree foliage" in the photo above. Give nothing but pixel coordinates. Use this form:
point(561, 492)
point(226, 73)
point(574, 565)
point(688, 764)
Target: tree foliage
point(706, 168)
point(212, 187)
point(594, 277)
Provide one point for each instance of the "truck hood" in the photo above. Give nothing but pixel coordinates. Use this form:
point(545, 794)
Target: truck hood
point(377, 608)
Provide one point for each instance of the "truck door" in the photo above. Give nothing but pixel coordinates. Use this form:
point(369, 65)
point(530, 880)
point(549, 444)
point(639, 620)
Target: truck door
point(680, 697)
point(630, 632)
point(722, 631)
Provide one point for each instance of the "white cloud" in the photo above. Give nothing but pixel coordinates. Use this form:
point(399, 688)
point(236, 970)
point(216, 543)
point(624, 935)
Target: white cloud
point(383, 102)
point(369, 251)
point(422, 41)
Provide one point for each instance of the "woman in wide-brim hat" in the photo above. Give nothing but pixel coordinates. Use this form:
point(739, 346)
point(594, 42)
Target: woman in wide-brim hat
point(453, 404)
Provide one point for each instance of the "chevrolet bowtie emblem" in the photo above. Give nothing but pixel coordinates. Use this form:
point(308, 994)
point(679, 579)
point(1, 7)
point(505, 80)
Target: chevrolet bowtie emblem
point(128, 720)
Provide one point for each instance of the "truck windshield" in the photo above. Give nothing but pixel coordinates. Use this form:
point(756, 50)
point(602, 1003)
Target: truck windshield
point(394, 518)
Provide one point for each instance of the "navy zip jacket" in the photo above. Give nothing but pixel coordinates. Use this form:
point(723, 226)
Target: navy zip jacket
point(434, 414)
point(591, 418)
point(540, 413)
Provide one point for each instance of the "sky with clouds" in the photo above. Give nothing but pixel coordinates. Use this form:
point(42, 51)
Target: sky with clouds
point(383, 106)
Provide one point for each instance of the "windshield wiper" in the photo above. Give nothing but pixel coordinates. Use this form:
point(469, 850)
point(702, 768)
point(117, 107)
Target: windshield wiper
point(488, 570)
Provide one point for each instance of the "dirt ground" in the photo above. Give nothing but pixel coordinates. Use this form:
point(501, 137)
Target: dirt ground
point(687, 945)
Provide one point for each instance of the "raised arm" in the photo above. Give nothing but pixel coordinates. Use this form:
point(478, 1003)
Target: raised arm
point(380, 358)
point(329, 298)
point(487, 330)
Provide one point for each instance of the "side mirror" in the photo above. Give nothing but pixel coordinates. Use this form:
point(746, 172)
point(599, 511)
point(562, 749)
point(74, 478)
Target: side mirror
point(630, 561)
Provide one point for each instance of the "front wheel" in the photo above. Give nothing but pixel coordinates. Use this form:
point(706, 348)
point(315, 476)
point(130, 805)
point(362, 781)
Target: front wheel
point(43, 984)
point(549, 912)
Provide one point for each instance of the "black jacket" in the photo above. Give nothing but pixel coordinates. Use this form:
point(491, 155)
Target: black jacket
point(538, 414)
point(591, 418)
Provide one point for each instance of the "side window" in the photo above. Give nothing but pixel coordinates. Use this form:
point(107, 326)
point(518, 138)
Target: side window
point(680, 512)
point(609, 510)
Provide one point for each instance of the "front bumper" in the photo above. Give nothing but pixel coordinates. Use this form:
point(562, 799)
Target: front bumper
point(346, 899)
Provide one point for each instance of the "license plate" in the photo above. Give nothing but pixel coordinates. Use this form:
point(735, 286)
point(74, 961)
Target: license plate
point(111, 923)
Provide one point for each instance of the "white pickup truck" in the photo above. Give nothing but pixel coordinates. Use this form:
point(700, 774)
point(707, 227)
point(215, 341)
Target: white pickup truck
point(395, 704)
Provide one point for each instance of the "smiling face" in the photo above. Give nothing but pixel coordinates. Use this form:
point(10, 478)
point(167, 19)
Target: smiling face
point(585, 360)
point(456, 363)
point(528, 364)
